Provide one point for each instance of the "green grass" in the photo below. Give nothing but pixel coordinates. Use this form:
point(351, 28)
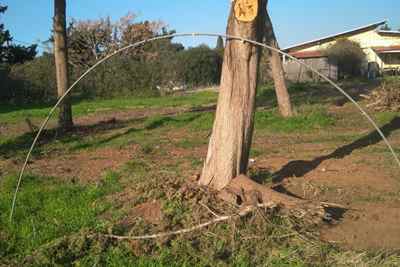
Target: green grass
point(57, 222)
point(152, 132)
point(13, 114)
point(189, 143)
point(48, 209)
point(309, 119)
point(383, 118)
point(57, 225)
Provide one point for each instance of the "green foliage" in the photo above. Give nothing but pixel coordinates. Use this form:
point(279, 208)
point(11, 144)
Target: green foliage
point(5, 37)
point(347, 55)
point(33, 81)
point(175, 211)
point(5, 81)
point(150, 69)
point(220, 44)
point(386, 27)
point(199, 66)
point(10, 53)
point(18, 54)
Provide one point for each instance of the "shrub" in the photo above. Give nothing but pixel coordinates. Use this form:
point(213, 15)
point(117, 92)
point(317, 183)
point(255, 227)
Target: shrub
point(124, 75)
point(199, 66)
point(33, 81)
point(5, 82)
point(347, 55)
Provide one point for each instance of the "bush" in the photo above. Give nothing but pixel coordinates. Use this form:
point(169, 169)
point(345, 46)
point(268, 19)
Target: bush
point(30, 82)
point(119, 77)
point(5, 82)
point(347, 55)
point(199, 66)
point(34, 81)
point(124, 75)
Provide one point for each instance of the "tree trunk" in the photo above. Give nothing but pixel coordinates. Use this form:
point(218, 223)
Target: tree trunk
point(278, 75)
point(61, 60)
point(229, 147)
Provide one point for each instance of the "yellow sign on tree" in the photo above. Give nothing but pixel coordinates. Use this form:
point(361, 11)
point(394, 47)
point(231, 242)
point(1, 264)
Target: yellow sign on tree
point(246, 10)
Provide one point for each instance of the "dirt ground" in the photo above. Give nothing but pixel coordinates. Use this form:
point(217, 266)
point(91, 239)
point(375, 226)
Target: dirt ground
point(367, 183)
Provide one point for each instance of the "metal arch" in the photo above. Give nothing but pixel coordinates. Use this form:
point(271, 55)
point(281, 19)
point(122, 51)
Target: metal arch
point(169, 36)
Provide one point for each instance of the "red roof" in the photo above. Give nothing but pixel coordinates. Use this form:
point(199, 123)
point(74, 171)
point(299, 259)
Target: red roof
point(307, 54)
point(383, 49)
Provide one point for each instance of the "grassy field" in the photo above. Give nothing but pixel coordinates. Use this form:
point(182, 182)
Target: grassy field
point(132, 176)
point(15, 114)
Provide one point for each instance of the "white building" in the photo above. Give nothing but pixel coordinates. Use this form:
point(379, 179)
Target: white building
point(382, 50)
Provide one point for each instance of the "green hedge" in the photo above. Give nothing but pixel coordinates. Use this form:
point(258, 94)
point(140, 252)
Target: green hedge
point(34, 81)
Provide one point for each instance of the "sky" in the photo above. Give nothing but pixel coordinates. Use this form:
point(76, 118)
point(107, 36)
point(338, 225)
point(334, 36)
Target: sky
point(294, 21)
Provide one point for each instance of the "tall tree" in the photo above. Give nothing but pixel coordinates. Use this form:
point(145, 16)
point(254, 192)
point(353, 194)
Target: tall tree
point(220, 44)
point(11, 53)
point(91, 40)
point(5, 37)
point(225, 167)
point(18, 54)
point(278, 74)
point(61, 60)
point(386, 27)
point(229, 147)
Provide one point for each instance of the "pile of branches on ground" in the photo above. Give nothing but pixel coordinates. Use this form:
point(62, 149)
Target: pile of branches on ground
point(385, 98)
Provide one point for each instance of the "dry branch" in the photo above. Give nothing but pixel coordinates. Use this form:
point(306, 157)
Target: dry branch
point(254, 196)
point(219, 219)
point(385, 98)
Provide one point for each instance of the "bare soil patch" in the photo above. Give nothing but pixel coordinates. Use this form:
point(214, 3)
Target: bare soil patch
point(369, 191)
point(85, 166)
point(150, 212)
point(369, 226)
point(310, 170)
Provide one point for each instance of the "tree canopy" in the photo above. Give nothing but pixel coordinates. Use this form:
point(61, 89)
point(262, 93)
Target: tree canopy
point(347, 55)
point(386, 27)
point(9, 52)
point(220, 43)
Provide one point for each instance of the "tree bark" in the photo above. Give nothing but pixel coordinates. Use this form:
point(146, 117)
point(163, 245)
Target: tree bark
point(278, 75)
point(229, 147)
point(61, 60)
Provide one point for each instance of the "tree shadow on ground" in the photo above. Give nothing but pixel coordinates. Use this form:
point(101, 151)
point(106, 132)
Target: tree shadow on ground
point(158, 123)
point(317, 93)
point(164, 121)
point(261, 175)
point(13, 147)
point(299, 168)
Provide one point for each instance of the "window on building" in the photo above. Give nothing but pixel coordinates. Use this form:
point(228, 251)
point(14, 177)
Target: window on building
point(391, 59)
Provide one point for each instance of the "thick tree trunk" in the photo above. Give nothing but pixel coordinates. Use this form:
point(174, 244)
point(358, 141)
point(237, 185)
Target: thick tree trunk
point(229, 147)
point(228, 152)
point(61, 60)
point(278, 75)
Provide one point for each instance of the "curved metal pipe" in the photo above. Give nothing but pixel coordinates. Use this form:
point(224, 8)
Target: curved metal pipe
point(45, 122)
